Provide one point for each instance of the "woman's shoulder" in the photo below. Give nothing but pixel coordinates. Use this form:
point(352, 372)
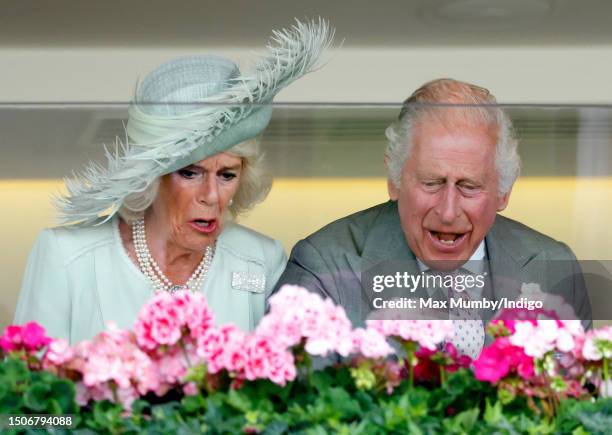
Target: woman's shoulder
point(248, 244)
point(73, 241)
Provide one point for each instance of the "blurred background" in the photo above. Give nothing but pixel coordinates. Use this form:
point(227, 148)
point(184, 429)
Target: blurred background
point(68, 70)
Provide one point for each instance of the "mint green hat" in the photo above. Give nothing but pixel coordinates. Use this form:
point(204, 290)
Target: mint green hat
point(189, 109)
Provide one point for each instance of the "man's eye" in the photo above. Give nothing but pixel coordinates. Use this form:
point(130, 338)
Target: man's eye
point(186, 173)
point(469, 188)
point(431, 183)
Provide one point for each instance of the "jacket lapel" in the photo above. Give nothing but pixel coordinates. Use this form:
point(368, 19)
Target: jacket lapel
point(509, 259)
point(386, 251)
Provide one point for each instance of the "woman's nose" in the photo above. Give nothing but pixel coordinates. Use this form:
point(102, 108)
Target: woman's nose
point(209, 192)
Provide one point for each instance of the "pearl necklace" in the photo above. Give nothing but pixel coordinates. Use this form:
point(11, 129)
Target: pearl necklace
point(153, 272)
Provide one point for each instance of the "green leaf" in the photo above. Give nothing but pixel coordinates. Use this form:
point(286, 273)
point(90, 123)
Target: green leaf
point(64, 392)
point(106, 415)
point(14, 371)
point(467, 419)
point(342, 402)
point(505, 396)
point(277, 427)
point(580, 431)
point(196, 374)
point(11, 403)
point(493, 414)
point(194, 404)
point(239, 400)
point(36, 397)
point(52, 406)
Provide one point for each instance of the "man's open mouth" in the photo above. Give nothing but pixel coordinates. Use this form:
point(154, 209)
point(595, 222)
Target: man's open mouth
point(448, 239)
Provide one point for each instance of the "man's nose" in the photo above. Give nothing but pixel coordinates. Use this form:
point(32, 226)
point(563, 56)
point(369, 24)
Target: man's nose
point(448, 208)
point(208, 193)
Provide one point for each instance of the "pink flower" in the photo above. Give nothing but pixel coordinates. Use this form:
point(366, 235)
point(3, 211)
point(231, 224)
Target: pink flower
point(222, 348)
point(598, 344)
point(509, 316)
point(491, 365)
point(31, 337)
point(296, 314)
point(265, 360)
point(59, 352)
point(172, 367)
point(371, 343)
point(11, 339)
point(501, 358)
point(458, 361)
point(542, 336)
point(427, 333)
point(165, 319)
point(190, 389)
point(111, 358)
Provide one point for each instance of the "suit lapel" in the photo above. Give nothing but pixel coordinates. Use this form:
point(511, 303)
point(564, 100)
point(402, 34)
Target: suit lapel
point(509, 259)
point(386, 250)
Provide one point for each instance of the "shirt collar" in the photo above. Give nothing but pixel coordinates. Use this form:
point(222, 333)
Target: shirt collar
point(475, 264)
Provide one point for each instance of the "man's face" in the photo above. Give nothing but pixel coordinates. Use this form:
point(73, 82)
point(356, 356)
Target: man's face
point(448, 197)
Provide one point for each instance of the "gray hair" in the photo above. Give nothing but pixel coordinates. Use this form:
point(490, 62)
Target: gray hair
point(255, 184)
point(438, 97)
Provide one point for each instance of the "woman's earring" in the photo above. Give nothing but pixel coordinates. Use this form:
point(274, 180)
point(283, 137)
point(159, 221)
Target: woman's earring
point(231, 202)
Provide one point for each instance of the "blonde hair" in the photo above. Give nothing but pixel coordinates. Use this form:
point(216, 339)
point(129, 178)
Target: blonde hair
point(255, 184)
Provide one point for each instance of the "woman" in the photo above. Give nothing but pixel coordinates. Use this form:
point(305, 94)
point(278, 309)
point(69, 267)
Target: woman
point(159, 217)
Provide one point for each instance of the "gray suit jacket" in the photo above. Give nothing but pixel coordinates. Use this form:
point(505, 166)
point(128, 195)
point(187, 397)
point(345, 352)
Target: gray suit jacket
point(331, 261)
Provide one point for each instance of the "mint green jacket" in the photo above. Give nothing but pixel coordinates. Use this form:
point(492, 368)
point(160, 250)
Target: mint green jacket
point(78, 279)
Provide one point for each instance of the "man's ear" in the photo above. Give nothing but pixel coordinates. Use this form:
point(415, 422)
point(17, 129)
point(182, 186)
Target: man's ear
point(391, 187)
point(502, 201)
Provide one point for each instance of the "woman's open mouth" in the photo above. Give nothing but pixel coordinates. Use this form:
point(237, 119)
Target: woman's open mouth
point(204, 226)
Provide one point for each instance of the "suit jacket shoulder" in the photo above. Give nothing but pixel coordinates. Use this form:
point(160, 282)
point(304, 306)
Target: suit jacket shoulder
point(349, 233)
point(525, 243)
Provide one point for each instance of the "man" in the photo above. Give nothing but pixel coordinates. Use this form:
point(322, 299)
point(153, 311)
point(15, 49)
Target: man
point(452, 161)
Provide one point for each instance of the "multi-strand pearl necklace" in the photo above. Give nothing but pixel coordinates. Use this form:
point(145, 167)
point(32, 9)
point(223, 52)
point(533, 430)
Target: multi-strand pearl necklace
point(152, 271)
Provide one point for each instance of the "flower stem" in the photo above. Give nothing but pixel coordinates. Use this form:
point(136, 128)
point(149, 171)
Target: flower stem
point(442, 375)
point(113, 388)
point(184, 350)
point(410, 348)
point(606, 377)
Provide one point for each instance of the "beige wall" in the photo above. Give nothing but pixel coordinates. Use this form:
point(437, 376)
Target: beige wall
point(514, 74)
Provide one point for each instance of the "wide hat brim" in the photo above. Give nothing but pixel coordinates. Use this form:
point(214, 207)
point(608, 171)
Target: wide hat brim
point(239, 112)
point(248, 128)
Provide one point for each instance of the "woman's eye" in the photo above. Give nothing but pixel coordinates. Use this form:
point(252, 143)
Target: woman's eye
point(228, 176)
point(186, 173)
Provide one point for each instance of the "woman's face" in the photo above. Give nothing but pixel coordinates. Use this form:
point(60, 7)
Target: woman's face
point(191, 202)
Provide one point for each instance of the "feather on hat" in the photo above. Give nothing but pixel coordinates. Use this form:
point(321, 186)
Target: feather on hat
point(208, 107)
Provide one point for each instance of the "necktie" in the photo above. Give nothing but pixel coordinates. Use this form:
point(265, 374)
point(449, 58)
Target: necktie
point(469, 332)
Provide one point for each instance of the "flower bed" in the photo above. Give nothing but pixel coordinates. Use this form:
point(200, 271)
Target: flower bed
point(178, 371)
